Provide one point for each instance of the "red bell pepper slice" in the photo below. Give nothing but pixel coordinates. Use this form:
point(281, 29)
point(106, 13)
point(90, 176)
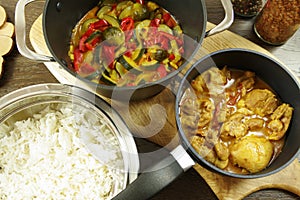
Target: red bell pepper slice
point(166, 17)
point(171, 37)
point(91, 45)
point(162, 71)
point(88, 32)
point(78, 57)
point(82, 40)
point(86, 68)
point(127, 24)
point(140, 1)
point(108, 54)
point(99, 25)
point(167, 20)
point(171, 57)
point(164, 43)
point(155, 22)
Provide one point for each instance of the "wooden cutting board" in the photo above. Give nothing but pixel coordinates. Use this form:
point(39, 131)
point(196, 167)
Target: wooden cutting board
point(138, 116)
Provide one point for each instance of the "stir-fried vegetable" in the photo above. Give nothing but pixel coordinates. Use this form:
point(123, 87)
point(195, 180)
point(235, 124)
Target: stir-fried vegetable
point(126, 43)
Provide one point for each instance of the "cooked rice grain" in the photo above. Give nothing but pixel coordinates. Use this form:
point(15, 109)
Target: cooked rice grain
point(44, 157)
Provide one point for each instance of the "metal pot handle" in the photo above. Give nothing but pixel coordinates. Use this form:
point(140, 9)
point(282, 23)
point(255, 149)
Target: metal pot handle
point(158, 177)
point(227, 21)
point(20, 31)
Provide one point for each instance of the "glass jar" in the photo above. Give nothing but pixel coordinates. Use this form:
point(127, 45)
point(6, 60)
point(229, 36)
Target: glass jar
point(247, 8)
point(278, 21)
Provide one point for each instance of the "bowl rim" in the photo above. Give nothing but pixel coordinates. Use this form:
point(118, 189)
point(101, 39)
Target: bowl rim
point(125, 139)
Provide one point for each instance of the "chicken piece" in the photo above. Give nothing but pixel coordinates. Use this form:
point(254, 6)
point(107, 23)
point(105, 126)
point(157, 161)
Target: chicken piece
point(189, 103)
point(212, 158)
point(240, 87)
point(199, 84)
point(215, 80)
point(244, 111)
point(255, 123)
point(252, 153)
point(222, 151)
point(206, 112)
point(189, 122)
point(281, 119)
point(222, 164)
point(246, 82)
point(198, 143)
point(214, 76)
point(234, 127)
point(261, 101)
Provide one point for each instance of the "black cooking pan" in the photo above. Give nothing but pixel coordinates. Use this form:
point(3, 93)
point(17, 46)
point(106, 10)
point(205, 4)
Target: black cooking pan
point(277, 76)
point(60, 17)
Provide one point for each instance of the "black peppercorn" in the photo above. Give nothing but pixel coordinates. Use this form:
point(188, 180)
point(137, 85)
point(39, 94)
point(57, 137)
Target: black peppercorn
point(247, 8)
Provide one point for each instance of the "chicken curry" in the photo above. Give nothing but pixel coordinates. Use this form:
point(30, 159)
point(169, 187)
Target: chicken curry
point(234, 120)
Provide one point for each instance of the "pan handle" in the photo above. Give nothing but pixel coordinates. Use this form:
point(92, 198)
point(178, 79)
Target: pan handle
point(20, 31)
point(226, 22)
point(158, 176)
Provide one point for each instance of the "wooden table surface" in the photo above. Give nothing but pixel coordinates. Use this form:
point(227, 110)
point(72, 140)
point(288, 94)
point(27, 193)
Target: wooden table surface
point(20, 72)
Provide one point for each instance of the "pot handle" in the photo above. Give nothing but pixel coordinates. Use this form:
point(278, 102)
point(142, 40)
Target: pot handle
point(20, 31)
point(226, 22)
point(158, 176)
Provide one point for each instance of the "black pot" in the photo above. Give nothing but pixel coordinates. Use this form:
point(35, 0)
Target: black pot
point(183, 157)
point(60, 17)
point(279, 77)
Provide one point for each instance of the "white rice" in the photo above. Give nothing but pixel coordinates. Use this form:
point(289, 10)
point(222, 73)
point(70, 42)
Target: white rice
point(49, 156)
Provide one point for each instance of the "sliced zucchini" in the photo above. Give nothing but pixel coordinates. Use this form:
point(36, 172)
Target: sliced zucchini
point(138, 53)
point(160, 54)
point(111, 20)
point(143, 24)
point(152, 6)
point(177, 30)
point(120, 69)
point(150, 65)
point(114, 36)
point(126, 12)
point(129, 64)
point(102, 11)
point(141, 29)
point(165, 28)
point(157, 53)
point(120, 51)
point(140, 12)
point(122, 5)
point(175, 51)
point(93, 36)
point(105, 77)
point(84, 27)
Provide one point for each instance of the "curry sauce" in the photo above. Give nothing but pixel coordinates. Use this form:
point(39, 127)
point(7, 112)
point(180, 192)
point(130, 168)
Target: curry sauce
point(234, 120)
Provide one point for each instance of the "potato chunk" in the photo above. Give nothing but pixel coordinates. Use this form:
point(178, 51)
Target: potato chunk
point(252, 153)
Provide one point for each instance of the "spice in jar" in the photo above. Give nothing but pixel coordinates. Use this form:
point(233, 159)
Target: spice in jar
point(247, 8)
point(278, 21)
